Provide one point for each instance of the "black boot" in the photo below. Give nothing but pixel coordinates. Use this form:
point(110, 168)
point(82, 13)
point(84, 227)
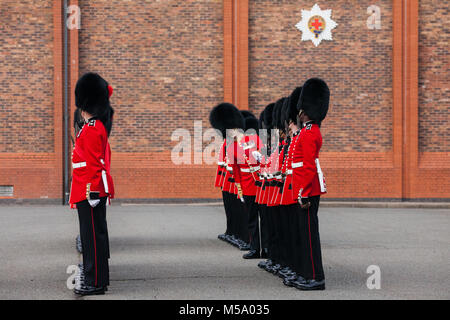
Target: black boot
point(252, 254)
point(308, 285)
point(89, 291)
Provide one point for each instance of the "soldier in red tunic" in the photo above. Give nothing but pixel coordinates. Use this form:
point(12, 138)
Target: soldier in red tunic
point(92, 185)
point(308, 184)
point(225, 117)
point(246, 170)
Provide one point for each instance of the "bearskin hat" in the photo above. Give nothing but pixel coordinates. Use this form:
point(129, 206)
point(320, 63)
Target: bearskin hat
point(277, 110)
point(261, 120)
point(284, 112)
point(292, 108)
point(314, 99)
point(251, 123)
point(92, 94)
point(268, 115)
point(226, 116)
point(247, 114)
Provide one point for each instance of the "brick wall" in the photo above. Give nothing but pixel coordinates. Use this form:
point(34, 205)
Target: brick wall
point(357, 65)
point(434, 80)
point(386, 136)
point(164, 60)
point(26, 75)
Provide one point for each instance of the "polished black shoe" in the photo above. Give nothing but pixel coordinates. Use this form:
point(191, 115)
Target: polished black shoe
point(285, 272)
point(289, 281)
point(228, 238)
point(309, 285)
point(252, 254)
point(234, 241)
point(269, 265)
point(265, 264)
point(244, 246)
point(274, 269)
point(221, 237)
point(89, 291)
point(78, 244)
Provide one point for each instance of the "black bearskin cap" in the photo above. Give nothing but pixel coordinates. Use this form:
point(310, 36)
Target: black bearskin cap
point(251, 123)
point(276, 114)
point(247, 114)
point(292, 109)
point(226, 116)
point(268, 115)
point(261, 120)
point(92, 94)
point(314, 99)
point(284, 112)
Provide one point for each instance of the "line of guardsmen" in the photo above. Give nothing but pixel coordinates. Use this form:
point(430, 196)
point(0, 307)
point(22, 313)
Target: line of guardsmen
point(277, 181)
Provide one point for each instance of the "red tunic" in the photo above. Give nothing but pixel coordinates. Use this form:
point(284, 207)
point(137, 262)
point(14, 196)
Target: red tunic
point(245, 166)
point(221, 168)
point(287, 197)
point(304, 163)
point(271, 180)
point(91, 163)
point(276, 191)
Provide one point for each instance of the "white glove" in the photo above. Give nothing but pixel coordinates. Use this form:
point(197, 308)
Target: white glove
point(94, 203)
point(257, 155)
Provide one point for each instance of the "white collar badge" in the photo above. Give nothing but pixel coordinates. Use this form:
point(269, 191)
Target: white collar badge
point(316, 25)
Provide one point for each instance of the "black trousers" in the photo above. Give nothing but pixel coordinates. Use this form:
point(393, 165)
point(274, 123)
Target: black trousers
point(252, 211)
point(94, 239)
point(285, 244)
point(241, 218)
point(274, 234)
point(264, 227)
point(227, 206)
point(308, 259)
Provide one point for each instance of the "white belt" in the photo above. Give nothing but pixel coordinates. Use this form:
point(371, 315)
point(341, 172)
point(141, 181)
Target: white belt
point(297, 165)
point(78, 165)
point(253, 169)
point(323, 188)
point(269, 176)
point(105, 181)
point(221, 164)
point(229, 168)
point(278, 177)
point(288, 172)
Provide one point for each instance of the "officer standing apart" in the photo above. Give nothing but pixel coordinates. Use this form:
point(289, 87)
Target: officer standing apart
point(308, 183)
point(92, 185)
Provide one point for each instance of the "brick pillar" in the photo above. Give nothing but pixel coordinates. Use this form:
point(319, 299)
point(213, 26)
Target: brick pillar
point(236, 52)
point(58, 104)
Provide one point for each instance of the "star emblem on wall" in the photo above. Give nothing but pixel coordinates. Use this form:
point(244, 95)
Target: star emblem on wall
point(316, 25)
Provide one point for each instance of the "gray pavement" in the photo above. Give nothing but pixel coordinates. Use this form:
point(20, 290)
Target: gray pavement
point(171, 252)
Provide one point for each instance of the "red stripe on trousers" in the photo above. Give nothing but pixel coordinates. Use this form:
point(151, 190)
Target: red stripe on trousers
point(95, 244)
point(310, 246)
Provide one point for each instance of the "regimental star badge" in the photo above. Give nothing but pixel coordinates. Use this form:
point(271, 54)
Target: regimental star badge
point(316, 25)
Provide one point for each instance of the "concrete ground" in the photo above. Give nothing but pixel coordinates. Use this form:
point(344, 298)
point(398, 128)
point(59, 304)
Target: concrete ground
point(171, 252)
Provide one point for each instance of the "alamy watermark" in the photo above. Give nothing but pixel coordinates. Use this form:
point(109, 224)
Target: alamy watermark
point(204, 146)
point(374, 280)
